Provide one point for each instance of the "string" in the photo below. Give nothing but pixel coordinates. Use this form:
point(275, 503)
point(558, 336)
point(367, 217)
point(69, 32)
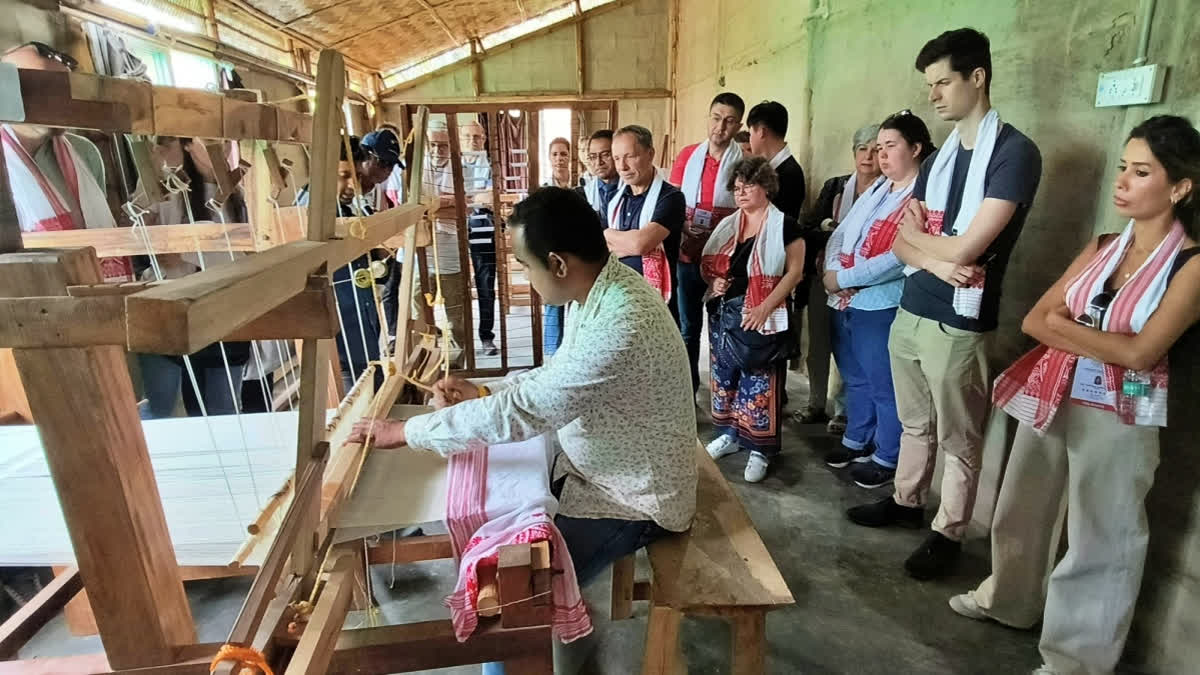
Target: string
point(171, 182)
point(218, 209)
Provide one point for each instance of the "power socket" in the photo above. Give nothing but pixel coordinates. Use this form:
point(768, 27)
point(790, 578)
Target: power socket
point(1132, 86)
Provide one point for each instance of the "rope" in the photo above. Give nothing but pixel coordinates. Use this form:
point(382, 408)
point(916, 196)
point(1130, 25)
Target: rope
point(241, 656)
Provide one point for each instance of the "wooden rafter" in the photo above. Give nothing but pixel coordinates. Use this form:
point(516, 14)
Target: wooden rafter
point(441, 22)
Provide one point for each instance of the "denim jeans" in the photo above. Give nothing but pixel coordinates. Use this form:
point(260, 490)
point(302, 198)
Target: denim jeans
point(860, 346)
point(689, 295)
point(552, 328)
point(594, 544)
point(483, 261)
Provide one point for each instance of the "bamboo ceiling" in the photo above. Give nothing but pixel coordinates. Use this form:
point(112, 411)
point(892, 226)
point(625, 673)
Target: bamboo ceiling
point(390, 34)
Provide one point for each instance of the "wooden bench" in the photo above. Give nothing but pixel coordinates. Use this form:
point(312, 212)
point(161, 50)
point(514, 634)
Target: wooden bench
point(720, 567)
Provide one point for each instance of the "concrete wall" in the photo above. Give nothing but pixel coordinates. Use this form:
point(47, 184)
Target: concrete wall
point(839, 64)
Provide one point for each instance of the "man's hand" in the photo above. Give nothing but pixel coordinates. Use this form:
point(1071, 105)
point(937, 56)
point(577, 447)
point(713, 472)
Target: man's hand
point(914, 218)
point(756, 318)
point(453, 389)
point(719, 286)
point(955, 275)
point(831, 282)
point(385, 433)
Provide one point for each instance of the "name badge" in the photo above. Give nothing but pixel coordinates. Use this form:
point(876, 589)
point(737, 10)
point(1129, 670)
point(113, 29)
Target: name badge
point(1089, 387)
point(702, 219)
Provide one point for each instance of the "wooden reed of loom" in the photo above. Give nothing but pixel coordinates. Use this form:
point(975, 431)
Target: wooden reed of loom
point(91, 433)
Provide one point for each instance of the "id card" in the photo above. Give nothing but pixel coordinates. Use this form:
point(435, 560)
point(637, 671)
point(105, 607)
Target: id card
point(1089, 386)
point(702, 219)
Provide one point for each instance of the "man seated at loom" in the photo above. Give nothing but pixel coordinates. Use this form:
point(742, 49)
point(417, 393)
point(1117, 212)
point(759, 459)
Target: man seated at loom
point(617, 393)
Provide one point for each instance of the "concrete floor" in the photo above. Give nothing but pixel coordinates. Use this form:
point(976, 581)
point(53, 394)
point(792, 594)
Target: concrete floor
point(856, 611)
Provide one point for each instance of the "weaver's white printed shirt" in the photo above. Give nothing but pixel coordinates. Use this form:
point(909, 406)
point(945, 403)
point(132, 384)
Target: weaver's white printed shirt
point(619, 394)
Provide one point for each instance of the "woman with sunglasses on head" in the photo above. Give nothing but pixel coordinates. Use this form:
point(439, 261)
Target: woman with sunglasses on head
point(751, 263)
point(864, 280)
point(1091, 399)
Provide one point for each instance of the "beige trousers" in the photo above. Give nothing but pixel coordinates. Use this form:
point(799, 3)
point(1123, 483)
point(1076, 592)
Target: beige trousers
point(941, 380)
point(1098, 471)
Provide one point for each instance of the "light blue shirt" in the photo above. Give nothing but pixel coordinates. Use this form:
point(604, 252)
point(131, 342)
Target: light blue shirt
point(879, 280)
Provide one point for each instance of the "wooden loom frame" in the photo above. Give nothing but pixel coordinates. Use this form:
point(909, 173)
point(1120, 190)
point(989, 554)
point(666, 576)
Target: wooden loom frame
point(92, 436)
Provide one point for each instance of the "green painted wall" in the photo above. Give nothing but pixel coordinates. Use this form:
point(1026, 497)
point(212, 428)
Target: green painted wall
point(839, 64)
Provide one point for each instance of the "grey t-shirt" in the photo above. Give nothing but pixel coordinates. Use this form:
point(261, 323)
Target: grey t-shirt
point(1013, 175)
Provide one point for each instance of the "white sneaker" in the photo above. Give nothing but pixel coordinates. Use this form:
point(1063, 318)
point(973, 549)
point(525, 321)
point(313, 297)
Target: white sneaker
point(1045, 670)
point(721, 446)
point(756, 467)
point(965, 605)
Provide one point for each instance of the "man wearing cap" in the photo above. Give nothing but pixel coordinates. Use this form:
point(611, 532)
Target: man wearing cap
point(358, 343)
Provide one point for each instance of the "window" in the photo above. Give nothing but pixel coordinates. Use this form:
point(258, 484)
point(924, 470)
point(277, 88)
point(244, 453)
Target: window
point(193, 71)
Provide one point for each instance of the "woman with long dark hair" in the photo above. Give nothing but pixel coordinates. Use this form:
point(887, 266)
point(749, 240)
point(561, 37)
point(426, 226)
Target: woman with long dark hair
point(1091, 399)
point(864, 280)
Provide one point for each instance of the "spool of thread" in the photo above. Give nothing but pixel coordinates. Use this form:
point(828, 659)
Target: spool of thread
point(362, 277)
point(379, 269)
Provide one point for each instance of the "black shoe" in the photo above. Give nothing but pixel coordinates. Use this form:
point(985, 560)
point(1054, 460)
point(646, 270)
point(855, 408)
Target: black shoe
point(842, 456)
point(887, 512)
point(489, 348)
point(809, 415)
point(871, 475)
point(935, 558)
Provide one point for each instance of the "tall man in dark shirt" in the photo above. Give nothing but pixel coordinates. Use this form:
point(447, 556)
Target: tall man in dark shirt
point(937, 341)
point(628, 239)
point(768, 124)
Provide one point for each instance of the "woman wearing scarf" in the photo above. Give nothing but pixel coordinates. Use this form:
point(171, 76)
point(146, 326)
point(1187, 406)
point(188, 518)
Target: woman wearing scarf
point(865, 279)
point(751, 263)
point(833, 205)
point(1091, 399)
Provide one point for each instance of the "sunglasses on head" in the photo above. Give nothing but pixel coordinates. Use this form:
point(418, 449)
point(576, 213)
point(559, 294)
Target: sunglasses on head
point(47, 52)
point(895, 115)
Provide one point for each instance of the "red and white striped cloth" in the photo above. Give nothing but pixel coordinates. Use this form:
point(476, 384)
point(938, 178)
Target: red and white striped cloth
point(1033, 388)
point(41, 208)
point(497, 496)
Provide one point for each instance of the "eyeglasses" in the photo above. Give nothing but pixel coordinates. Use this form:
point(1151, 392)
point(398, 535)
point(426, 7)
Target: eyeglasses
point(602, 156)
point(1093, 316)
point(744, 188)
point(47, 52)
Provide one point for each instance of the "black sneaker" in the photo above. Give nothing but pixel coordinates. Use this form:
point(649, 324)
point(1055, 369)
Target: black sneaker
point(842, 456)
point(871, 475)
point(887, 512)
point(934, 559)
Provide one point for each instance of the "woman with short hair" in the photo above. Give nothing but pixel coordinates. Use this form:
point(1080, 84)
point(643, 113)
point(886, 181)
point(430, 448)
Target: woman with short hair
point(752, 261)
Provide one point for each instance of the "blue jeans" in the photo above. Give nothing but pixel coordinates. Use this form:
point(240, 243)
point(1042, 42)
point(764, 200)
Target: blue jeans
point(594, 544)
point(860, 347)
point(552, 328)
point(689, 295)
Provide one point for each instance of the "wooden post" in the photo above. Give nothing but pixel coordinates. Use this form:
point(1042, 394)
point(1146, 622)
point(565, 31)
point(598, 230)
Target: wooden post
point(415, 184)
point(576, 113)
point(315, 650)
point(612, 116)
point(476, 70)
point(322, 215)
point(460, 224)
point(748, 642)
point(532, 156)
point(502, 280)
point(662, 642)
point(97, 456)
point(621, 604)
point(579, 52)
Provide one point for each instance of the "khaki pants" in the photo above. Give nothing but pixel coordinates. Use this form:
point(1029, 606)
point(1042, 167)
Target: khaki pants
point(1099, 471)
point(941, 380)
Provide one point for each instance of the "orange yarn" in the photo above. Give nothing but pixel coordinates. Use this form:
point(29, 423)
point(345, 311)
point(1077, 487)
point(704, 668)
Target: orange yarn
point(244, 656)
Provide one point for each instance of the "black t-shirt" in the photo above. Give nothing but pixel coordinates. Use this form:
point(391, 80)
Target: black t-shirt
point(669, 212)
point(739, 279)
point(1013, 175)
